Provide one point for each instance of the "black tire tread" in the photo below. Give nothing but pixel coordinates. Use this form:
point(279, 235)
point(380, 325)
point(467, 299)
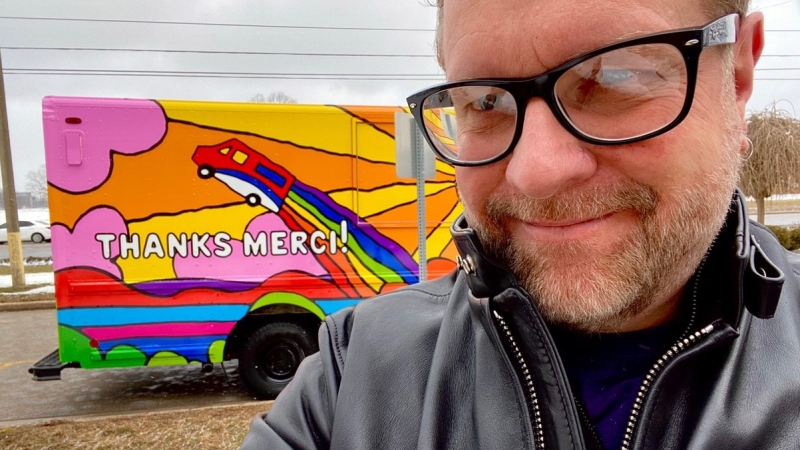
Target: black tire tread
point(252, 379)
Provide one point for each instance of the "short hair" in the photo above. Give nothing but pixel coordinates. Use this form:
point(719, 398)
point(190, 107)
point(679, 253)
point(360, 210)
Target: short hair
point(714, 9)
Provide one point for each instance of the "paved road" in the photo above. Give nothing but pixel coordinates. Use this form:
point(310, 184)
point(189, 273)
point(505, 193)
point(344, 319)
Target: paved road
point(30, 250)
point(26, 336)
point(783, 219)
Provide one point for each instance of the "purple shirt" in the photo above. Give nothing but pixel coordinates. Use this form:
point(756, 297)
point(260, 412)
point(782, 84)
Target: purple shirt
point(606, 371)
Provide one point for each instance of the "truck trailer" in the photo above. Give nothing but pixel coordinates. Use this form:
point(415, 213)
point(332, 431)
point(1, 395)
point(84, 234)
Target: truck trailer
point(200, 232)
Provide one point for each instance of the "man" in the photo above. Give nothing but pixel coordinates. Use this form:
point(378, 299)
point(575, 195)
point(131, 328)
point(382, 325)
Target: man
point(612, 293)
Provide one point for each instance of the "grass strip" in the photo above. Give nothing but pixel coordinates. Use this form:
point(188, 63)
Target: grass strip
point(218, 428)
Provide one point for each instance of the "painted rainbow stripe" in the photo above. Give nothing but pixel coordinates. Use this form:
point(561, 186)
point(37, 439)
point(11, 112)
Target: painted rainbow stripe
point(94, 317)
point(371, 247)
point(102, 318)
point(180, 329)
point(192, 348)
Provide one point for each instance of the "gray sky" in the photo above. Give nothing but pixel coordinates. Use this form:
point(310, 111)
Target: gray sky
point(401, 75)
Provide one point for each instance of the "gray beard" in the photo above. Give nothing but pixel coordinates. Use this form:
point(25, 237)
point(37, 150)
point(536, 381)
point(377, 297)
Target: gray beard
point(574, 287)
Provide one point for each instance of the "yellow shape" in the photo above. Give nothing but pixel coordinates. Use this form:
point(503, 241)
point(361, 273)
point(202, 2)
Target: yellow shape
point(216, 351)
point(239, 157)
point(225, 150)
point(445, 168)
point(376, 201)
point(440, 237)
point(374, 145)
point(303, 212)
point(318, 126)
point(167, 359)
point(366, 275)
point(232, 220)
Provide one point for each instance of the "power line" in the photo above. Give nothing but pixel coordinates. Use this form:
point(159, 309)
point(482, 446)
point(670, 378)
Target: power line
point(239, 75)
point(237, 25)
point(218, 73)
point(60, 71)
point(246, 25)
point(253, 75)
point(235, 52)
point(221, 52)
point(111, 71)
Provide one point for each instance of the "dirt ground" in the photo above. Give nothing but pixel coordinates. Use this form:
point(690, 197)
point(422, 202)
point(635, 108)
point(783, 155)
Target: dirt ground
point(218, 428)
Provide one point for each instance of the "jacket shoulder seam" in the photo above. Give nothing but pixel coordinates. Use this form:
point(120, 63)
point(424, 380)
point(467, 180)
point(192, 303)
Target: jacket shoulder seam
point(337, 348)
point(437, 297)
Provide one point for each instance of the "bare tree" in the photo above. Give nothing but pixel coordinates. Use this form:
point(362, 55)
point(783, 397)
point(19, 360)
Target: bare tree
point(774, 166)
point(36, 182)
point(258, 98)
point(273, 97)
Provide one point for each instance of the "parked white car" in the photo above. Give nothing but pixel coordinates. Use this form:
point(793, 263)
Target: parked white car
point(29, 230)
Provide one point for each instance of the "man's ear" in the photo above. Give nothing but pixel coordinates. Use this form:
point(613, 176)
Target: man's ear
point(747, 51)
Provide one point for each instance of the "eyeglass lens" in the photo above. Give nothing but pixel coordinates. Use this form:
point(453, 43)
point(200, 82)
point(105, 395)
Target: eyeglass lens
point(620, 94)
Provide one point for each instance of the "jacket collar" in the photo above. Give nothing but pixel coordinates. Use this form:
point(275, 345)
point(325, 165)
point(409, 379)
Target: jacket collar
point(740, 269)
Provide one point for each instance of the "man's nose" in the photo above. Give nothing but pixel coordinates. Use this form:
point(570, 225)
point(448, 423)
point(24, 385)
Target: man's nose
point(547, 158)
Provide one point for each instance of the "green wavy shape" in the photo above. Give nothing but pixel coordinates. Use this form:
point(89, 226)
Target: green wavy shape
point(75, 347)
point(288, 298)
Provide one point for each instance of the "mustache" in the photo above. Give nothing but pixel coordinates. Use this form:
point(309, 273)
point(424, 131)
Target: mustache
point(583, 204)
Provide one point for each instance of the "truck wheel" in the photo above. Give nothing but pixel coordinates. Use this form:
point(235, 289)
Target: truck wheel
point(205, 172)
point(253, 200)
point(269, 357)
point(37, 238)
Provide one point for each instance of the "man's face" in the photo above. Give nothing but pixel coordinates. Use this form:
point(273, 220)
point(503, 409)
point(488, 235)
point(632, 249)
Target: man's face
point(604, 238)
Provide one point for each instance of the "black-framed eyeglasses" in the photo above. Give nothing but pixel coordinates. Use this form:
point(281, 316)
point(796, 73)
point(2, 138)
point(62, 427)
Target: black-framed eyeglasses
point(618, 94)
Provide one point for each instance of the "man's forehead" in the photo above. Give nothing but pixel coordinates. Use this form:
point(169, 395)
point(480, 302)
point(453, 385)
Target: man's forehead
point(522, 38)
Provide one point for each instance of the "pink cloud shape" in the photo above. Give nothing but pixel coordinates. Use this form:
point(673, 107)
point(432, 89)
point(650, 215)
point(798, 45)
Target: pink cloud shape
point(80, 248)
point(81, 133)
point(254, 268)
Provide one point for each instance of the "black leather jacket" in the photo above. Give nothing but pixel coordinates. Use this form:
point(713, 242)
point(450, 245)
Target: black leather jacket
point(466, 362)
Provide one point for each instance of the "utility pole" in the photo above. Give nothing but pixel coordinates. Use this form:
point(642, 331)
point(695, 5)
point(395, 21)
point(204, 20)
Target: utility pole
point(10, 193)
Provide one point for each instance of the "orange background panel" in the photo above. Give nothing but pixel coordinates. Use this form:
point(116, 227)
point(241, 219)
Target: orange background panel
point(165, 179)
point(374, 115)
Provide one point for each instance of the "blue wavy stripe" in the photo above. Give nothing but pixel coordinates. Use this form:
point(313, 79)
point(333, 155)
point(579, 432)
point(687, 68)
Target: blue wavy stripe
point(389, 257)
point(261, 186)
point(191, 348)
point(331, 306)
point(270, 174)
point(92, 317)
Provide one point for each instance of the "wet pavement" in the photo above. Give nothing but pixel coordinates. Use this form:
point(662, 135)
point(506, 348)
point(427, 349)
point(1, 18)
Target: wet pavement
point(30, 250)
point(27, 336)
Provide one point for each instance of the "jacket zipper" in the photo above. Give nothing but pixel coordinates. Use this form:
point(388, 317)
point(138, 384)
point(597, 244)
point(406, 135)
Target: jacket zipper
point(686, 340)
point(533, 403)
point(591, 429)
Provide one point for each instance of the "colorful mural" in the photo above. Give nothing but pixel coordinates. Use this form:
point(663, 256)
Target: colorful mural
point(172, 220)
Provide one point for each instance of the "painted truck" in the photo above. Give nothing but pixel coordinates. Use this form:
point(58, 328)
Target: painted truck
point(198, 232)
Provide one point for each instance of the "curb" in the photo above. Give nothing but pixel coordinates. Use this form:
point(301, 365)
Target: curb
point(28, 306)
point(44, 421)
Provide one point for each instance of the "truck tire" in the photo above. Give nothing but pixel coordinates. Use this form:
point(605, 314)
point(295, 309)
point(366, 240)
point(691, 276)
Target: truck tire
point(253, 200)
point(270, 355)
point(205, 172)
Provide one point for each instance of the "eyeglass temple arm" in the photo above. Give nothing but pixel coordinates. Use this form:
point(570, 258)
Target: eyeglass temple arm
point(721, 31)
